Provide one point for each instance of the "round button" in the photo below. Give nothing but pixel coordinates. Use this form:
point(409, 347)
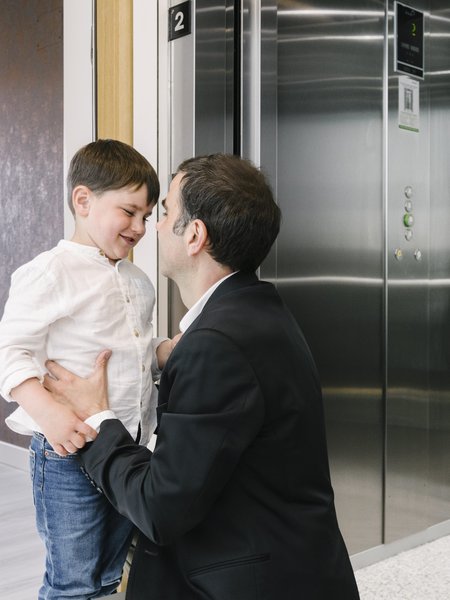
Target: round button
point(408, 220)
point(408, 206)
point(408, 235)
point(418, 254)
point(136, 332)
point(408, 191)
point(398, 252)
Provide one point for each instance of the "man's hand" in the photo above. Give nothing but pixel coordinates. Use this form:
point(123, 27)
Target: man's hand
point(86, 396)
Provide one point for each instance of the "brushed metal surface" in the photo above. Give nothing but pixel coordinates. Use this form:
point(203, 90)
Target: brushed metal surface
point(439, 295)
point(379, 328)
point(201, 98)
point(330, 249)
point(417, 403)
point(379, 336)
point(407, 404)
point(214, 76)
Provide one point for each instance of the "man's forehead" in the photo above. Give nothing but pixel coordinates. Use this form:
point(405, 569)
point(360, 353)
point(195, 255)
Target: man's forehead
point(172, 197)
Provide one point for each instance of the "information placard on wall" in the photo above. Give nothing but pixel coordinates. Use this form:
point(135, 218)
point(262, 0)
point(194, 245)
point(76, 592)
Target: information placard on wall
point(408, 103)
point(408, 40)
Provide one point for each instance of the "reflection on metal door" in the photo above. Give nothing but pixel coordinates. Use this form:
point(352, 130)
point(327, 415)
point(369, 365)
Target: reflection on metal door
point(205, 95)
point(329, 256)
point(363, 255)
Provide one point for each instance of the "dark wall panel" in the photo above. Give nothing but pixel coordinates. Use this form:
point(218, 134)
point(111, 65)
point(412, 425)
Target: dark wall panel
point(31, 141)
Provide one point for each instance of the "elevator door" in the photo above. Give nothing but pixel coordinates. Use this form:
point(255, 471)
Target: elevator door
point(417, 398)
point(329, 255)
point(374, 305)
point(370, 291)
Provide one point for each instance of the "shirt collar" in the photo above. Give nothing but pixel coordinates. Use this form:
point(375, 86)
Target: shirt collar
point(195, 310)
point(91, 251)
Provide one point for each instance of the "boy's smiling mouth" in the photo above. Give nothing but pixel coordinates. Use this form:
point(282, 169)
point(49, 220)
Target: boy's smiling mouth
point(129, 240)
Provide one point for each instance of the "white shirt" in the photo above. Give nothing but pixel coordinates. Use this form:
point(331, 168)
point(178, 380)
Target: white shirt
point(68, 304)
point(195, 310)
point(185, 322)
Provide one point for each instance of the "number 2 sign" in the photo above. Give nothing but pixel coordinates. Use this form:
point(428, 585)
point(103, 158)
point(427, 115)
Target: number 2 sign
point(179, 20)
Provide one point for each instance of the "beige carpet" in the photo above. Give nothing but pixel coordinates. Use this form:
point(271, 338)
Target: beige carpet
point(419, 574)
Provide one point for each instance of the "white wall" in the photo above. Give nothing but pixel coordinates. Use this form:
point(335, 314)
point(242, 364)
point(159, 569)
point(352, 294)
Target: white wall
point(145, 115)
point(79, 101)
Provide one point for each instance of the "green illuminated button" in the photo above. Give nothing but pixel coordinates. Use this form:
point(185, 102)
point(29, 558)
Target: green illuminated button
point(408, 220)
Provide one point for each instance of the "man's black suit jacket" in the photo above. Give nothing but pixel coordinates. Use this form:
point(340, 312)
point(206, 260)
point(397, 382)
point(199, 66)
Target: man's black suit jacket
point(235, 503)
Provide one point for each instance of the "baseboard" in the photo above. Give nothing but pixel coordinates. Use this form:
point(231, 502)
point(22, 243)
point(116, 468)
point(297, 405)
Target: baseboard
point(378, 553)
point(14, 456)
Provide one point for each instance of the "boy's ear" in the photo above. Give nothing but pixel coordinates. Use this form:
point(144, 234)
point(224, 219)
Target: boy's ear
point(81, 196)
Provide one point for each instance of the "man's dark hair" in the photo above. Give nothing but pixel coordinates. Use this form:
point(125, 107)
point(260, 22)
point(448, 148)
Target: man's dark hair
point(235, 202)
point(106, 165)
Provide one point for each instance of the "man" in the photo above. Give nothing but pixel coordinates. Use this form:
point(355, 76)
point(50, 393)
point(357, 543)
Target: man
point(235, 503)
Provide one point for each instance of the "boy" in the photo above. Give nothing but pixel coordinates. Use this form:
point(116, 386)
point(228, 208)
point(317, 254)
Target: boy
point(67, 304)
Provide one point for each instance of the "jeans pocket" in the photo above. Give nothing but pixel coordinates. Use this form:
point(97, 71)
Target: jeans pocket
point(50, 454)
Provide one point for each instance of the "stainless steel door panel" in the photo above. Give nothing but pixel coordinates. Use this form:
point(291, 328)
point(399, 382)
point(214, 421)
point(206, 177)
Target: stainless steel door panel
point(417, 408)
point(214, 76)
point(379, 327)
point(439, 293)
point(201, 98)
point(330, 249)
point(407, 318)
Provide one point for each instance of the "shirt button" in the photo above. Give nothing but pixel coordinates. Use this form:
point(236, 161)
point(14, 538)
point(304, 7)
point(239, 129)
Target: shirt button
point(136, 332)
point(127, 299)
point(101, 253)
point(143, 367)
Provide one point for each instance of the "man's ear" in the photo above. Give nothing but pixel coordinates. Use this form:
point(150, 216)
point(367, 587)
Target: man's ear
point(197, 237)
point(81, 197)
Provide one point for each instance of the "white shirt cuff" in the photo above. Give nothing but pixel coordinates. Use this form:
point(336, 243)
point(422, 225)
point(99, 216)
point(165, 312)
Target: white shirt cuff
point(96, 420)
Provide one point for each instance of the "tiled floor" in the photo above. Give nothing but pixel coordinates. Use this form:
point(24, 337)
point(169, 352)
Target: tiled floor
point(21, 550)
point(419, 574)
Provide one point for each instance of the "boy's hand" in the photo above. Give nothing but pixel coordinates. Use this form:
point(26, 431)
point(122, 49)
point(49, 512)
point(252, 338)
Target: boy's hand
point(165, 348)
point(64, 430)
point(61, 425)
point(85, 396)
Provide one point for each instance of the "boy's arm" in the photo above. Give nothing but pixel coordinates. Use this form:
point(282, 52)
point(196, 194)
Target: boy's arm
point(65, 432)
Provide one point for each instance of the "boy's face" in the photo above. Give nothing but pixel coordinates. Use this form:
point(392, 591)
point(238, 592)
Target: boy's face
point(115, 220)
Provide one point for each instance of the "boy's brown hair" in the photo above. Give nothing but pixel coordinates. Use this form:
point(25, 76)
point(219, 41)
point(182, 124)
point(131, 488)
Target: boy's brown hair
point(106, 165)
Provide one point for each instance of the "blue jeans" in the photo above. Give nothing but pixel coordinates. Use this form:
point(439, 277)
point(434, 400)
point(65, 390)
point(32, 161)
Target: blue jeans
point(86, 539)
